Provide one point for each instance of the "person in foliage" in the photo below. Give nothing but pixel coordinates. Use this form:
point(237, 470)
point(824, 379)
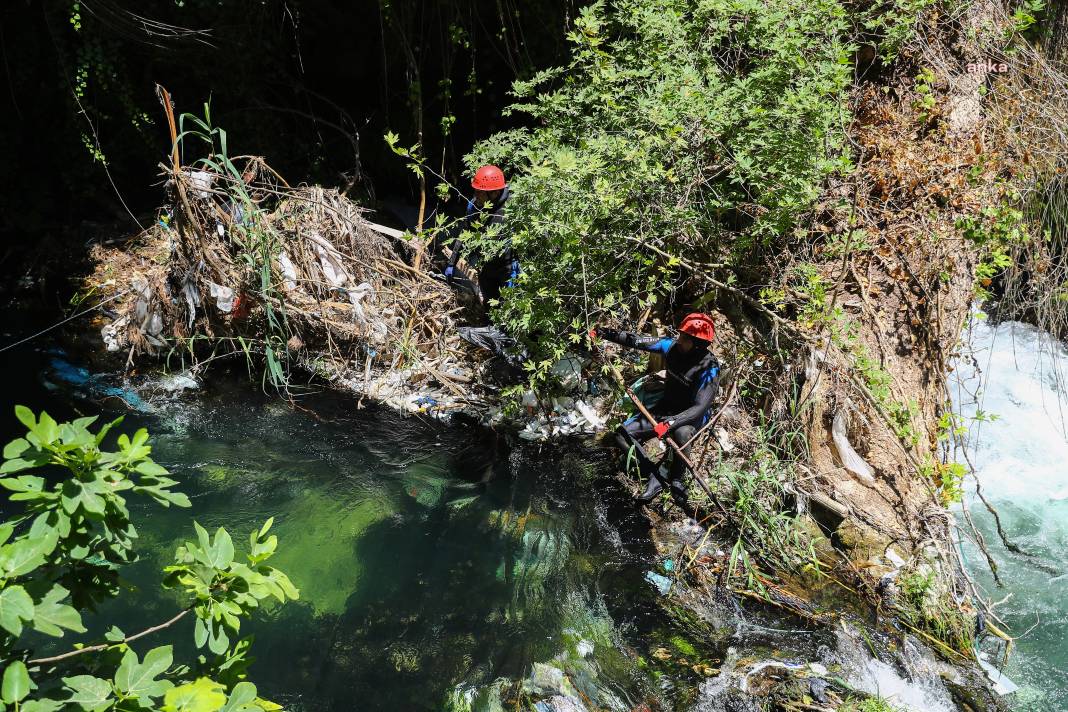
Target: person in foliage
point(486, 209)
point(692, 383)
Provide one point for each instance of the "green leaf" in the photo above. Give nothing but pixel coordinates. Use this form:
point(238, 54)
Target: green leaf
point(218, 640)
point(151, 469)
point(26, 417)
point(15, 448)
point(104, 430)
point(50, 616)
point(200, 632)
point(16, 683)
point(88, 692)
point(16, 606)
point(25, 555)
point(204, 695)
point(134, 679)
point(221, 553)
point(242, 698)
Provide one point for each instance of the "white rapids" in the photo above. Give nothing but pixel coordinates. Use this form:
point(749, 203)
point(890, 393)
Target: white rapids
point(1019, 374)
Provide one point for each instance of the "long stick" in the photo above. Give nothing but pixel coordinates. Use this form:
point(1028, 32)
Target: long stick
point(168, 109)
point(712, 422)
point(102, 646)
point(649, 416)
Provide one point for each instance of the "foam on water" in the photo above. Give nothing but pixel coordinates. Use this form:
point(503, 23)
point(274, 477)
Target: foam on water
point(1020, 375)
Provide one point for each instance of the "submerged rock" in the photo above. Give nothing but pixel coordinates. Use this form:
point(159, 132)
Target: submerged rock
point(558, 703)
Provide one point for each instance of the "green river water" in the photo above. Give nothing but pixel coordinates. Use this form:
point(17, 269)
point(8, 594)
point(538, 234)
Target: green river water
point(431, 561)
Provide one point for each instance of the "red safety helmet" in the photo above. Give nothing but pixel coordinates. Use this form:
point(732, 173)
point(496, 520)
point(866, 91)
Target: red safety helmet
point(489, 178)
point(699, 326)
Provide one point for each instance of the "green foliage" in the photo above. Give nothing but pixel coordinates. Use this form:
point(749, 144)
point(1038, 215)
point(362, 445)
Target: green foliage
point(673, 123)
point(924, 606)
point(892, 23)
point(1025, 16)
point(926, 102)
point(223, 589)
point(869, 704)
point(998, 230)
point(62, 552)
point(764, 527)
point(79, 527)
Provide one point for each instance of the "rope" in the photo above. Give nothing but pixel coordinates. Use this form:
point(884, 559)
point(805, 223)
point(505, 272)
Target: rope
point(61, 323)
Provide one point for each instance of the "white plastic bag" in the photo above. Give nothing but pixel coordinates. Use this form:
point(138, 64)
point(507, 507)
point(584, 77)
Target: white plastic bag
point(849, 457)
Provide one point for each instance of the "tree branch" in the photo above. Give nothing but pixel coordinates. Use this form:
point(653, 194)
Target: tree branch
point(102, 646)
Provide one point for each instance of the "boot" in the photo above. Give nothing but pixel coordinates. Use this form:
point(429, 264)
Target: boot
point(652, 489)
point(681, 496)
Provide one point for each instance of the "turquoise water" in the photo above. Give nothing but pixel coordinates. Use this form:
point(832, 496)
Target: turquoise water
point(433, 563)
point(1019, 375)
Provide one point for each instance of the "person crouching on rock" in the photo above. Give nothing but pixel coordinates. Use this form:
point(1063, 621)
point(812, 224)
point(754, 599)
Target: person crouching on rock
point(491, 196)
point(692, 383)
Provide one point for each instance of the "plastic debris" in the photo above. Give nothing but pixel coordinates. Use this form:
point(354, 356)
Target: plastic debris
point(289, 271)
point(817, 669)
point(178, 383)
point(202, 181)
point(569, 372)
point(724, 440)
point(1002, 684)
point(223, 296)
point(662, 583)
point(850, 459)
point(356, 295)
point(93, 384)
point(590, 415)
point(114, 334)
point(192, 300)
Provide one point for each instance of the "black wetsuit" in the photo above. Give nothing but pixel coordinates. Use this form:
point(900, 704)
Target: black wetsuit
point(692, 384)
point(498, 271)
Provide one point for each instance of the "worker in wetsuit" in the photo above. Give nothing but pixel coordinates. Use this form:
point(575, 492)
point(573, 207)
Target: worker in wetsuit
point(491, 196)
point(692, 384)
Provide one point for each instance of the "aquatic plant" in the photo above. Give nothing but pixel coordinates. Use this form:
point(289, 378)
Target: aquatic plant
point(61, 554)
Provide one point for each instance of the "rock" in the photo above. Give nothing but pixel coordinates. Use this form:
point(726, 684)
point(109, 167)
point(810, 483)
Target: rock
point(547, 681)
point(559, 703)
point(818, 688)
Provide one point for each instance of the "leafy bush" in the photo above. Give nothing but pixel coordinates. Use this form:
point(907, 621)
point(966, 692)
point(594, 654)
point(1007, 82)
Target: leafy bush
point(690, 131)
point(62, 553)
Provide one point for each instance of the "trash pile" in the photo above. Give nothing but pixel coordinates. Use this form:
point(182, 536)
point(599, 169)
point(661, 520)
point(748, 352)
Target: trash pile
point(294, 275)
point(253, 268)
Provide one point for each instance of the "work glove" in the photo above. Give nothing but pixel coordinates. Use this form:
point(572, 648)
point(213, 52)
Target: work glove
point(449, 272)
point(661, 429)
point(608, 334)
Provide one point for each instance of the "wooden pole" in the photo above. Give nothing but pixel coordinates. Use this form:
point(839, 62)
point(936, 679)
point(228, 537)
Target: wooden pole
point(168, 109)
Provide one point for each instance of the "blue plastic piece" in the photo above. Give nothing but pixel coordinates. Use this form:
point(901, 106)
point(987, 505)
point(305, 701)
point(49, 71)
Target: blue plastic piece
point(67, 372)
point(662, 583)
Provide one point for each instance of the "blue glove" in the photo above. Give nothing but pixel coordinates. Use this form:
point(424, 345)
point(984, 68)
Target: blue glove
point(449, 271)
